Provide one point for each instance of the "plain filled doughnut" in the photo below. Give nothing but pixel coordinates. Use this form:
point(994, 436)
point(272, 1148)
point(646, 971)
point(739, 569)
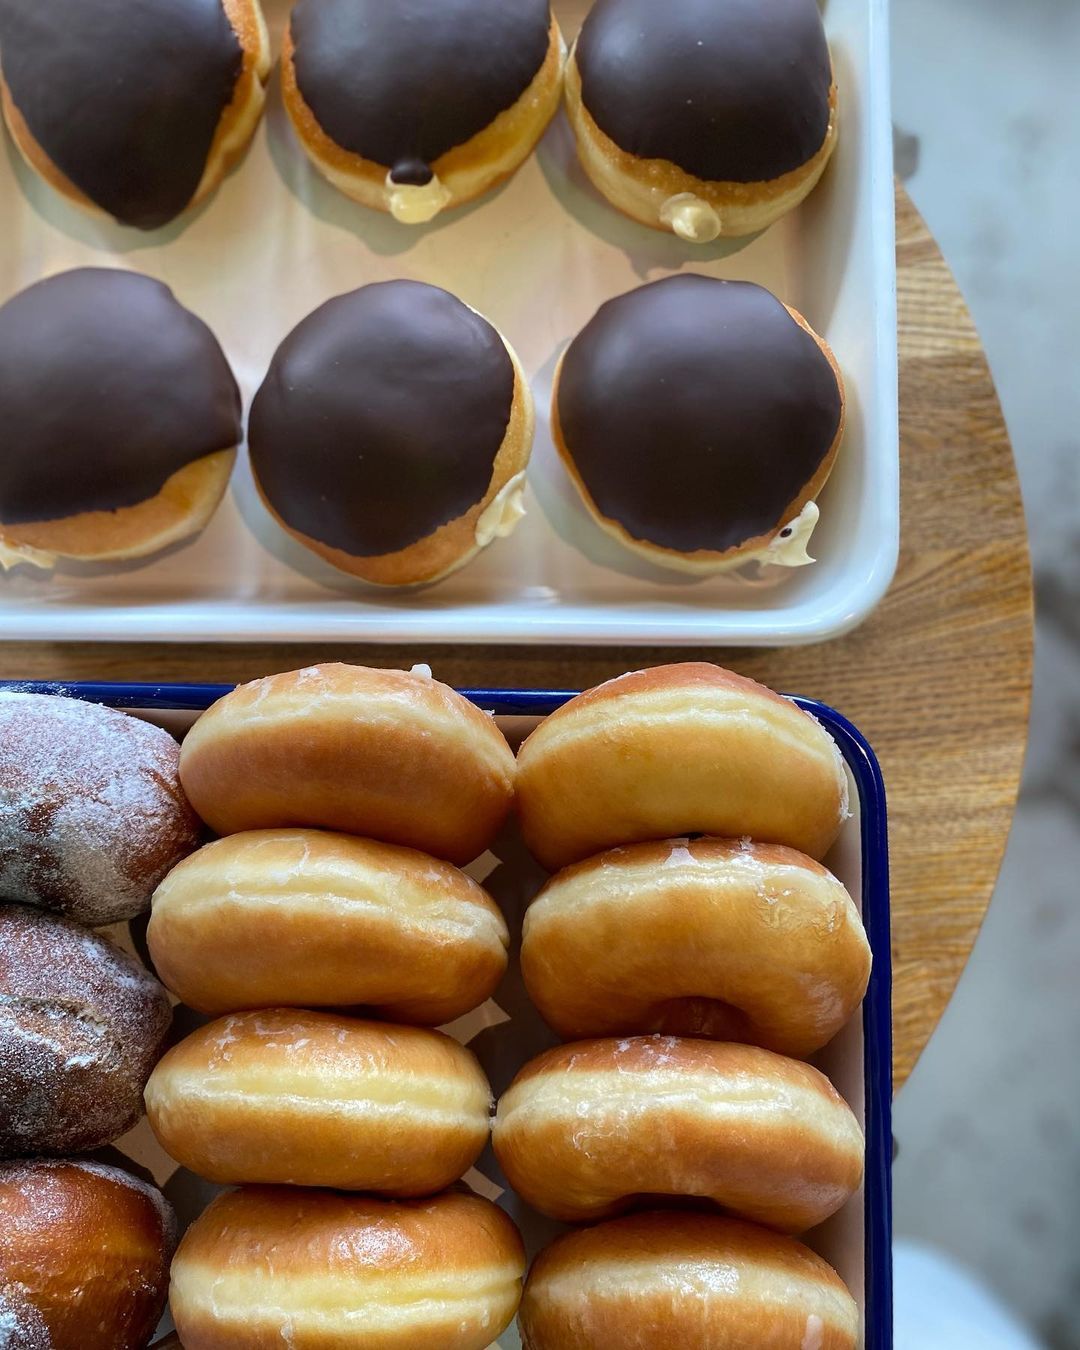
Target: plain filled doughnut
point(586, 1129)
point(315, 1099)
point(703, 937)
point(266, 1266)
point(693, 1281)
point(383, 753)
point(353, 922)
point(679, 749)
point(84, 1256)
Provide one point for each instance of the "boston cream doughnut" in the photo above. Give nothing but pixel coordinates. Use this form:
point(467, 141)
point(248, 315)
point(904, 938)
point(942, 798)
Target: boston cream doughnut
point(680, 749)
point(92, 814)
point(699, 420)
point(136, 110)
point(586, 1129)
point(121, 418)
point(420, 105)
point(392, 431)
point(314, 1099)
point(692, 1281)
point(705, 937)
point(384, 753)
point(705, 117)
point(266, 1266)
point(303, 917)
point(84, 1256)
point(81, 1025)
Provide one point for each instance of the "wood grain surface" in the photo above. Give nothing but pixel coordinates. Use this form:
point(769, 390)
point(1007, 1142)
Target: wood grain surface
point(938, 678)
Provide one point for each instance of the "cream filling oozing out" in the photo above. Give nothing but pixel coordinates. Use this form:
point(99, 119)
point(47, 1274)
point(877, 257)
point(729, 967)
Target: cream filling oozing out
point(502, 514)
point(691, 218)
point(11, 555)
point(789, 547)
point(412, 204)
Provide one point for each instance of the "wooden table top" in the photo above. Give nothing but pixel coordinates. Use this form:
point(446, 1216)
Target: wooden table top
point(938, 678)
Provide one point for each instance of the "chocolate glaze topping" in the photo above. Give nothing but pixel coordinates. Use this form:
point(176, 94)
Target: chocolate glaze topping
point(696, 411)
point(124, 96)
point(380, 417)
point(107, 387)
point(729, 90)
point(401, 82)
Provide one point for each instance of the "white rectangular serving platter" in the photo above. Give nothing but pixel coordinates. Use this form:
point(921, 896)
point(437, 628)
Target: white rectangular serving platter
point(537, 257)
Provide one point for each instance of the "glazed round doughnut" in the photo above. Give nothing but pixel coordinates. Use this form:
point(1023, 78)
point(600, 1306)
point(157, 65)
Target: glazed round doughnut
point(354, 923)
point(81, 1025)
point(122, 419)
point(679, 749)
point(706, 117)
point(392, 432)
point(314, 1099)
point(312, 1269)
point(384, 753)
point(92, 814)
point(420, 105)
point(694, 1281)
point(84, 1256)
point(134, 111)
point(586, 1129)
point(706, 937)
point(699, 420)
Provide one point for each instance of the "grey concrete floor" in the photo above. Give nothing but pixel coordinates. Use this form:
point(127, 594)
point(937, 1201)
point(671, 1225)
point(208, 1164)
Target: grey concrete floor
point(989, 1165)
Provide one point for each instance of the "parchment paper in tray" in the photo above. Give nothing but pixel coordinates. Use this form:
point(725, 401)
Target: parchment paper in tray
point(507, 1031)
point(537, 257)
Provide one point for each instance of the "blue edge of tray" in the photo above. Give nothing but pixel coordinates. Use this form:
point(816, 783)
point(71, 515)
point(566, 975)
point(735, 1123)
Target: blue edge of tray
point(877, 1009)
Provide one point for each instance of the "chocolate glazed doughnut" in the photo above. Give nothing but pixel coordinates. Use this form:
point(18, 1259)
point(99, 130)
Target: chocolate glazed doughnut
point(121, 416)
point(699, 419)
point(417, 105)
point(136, 110)
point(706, 117)
point(391, 433)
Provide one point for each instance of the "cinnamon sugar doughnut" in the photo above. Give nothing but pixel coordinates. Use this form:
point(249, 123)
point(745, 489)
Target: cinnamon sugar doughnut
point(354, 922)
point(84, 1256)
point(92, 814)
point(313, 1099)
point(266, 1266)
point(705, 937)
point(81, 1024)
point(679, 749)
point(385, 753)
point(691, 1281)
point(586, 1129)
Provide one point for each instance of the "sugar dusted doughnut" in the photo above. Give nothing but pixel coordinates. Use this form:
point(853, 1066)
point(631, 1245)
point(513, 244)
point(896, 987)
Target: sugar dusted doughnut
point(81, 1026)
point(392, 432)
point(121, 419)
point(267, 1266)
point(84, 1256)
point(699, 420)
point(136, 111)
point(680, 749)
point(385, 753)
point(585, 1129)
point(705, 937)
point(705, 117)
point(314, 1099)
point(92, 814)
point(691, 1281)
point(420, 105)
point(353, 922)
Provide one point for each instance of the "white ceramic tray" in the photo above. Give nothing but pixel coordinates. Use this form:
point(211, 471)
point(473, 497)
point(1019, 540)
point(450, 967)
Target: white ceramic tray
point(537, 257)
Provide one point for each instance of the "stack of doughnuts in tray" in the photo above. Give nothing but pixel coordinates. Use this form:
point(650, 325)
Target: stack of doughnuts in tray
point(690, 948)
